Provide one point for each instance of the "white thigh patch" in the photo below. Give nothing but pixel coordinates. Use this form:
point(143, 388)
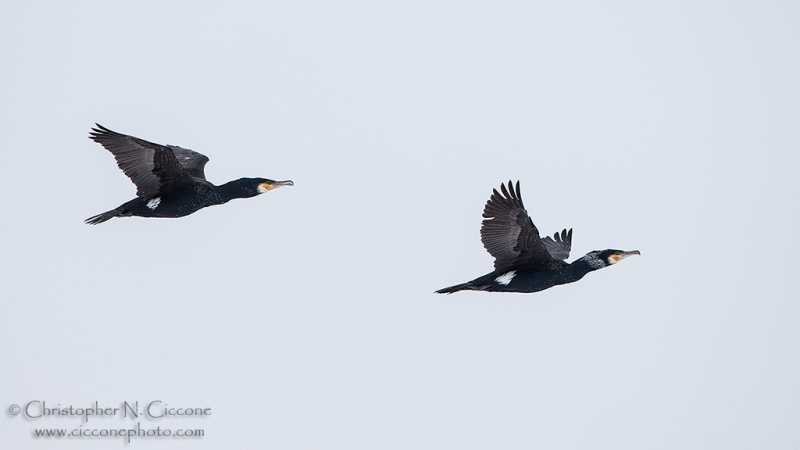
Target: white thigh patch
point(154, 202)
point(506, 278)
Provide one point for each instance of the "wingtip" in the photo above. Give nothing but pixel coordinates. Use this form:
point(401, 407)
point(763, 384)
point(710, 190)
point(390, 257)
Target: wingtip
point(98, 131)
point(512, 192)
point(504, 190)
point(101, 130)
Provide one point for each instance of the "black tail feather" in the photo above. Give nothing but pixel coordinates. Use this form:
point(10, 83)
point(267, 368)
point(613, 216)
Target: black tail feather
point(100, 218)
point(456, 288)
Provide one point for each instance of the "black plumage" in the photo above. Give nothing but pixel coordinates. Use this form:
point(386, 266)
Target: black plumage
point(170, 181)
point(523, 261)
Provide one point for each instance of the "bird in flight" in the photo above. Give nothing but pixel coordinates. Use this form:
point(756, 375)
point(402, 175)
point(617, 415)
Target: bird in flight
point(169, 180)
point(524, 262)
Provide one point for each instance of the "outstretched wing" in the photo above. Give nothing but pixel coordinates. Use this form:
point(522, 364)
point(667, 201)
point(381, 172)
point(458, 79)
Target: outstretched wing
point(508, 233)
point(193, 162)
point(559, 245)
point(153, 168)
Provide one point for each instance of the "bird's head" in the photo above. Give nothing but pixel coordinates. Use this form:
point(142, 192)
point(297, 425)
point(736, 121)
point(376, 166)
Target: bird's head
point(248, 187)
point(264, 185)
point(604, 258)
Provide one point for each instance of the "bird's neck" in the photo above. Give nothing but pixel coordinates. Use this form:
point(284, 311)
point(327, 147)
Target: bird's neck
point(580, 267)
point(241, 188)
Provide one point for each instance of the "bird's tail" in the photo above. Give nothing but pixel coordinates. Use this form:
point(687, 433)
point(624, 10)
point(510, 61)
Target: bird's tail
point(458, 287)
point(100, 218)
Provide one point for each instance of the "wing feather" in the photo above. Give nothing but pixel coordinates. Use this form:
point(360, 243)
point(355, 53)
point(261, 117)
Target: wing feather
point(559, 246)
point(508, 233)
point(153, 168)
point(193, 162)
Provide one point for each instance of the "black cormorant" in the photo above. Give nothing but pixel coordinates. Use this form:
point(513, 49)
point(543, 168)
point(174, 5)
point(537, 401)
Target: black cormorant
point(523, 262)
point(169, 180)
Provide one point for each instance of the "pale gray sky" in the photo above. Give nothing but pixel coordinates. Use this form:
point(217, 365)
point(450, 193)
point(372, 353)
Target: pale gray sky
point(305, 318)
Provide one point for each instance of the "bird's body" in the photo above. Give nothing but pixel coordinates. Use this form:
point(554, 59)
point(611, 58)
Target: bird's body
point(172, 204)
point(523, 278)
point(524, 262)
point(170, 180)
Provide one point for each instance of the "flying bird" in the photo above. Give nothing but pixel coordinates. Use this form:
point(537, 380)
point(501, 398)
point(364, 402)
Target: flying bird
point(169, 180)
point(524, 262)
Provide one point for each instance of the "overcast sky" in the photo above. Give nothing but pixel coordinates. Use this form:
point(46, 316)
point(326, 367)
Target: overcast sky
point(305, 317)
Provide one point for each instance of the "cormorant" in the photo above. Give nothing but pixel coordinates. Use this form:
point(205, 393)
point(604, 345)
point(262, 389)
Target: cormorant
point(169, 180)
point(523, 262)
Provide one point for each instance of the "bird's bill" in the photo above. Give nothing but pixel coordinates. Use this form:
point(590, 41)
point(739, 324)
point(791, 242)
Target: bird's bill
point(270, 185)
point(617, 257)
